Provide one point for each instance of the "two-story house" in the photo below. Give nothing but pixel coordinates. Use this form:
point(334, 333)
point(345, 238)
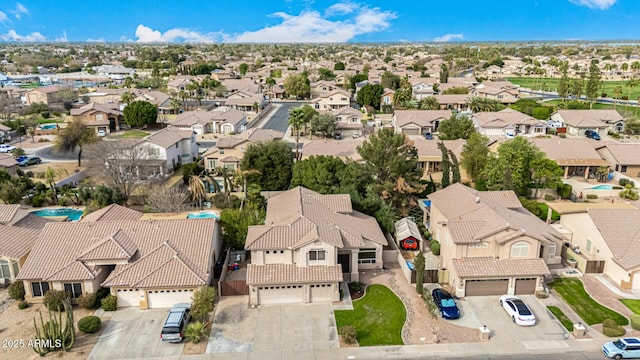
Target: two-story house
point(307, 246)
point(421, 89)
point(332, 100)
point(100, 117)
point(46, 95)
point(229, 151)
point(502, 91)
point(168, 148)
point(348, 122)
point(490, 244)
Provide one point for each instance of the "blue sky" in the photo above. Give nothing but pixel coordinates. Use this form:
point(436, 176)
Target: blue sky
point(282, 21)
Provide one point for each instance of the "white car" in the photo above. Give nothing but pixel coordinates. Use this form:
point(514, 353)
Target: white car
point(518, 310)
point(102, 133)
point(6, 148)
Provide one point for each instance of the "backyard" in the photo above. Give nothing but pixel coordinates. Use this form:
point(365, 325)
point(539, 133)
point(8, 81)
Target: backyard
point(378, 317)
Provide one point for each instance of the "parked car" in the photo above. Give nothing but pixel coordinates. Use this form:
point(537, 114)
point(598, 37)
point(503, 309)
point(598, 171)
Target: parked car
point(445, 303)
point(176, 322)
point(31, 160)
point(518, 310)
point(21, 157)
point(592, 135)
point(102, 133)
point(409, 244)
point(4, 148)
point(624, 348)
point(428, 136)
point(337, 136)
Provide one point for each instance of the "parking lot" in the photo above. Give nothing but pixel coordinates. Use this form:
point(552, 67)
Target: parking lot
point(132, 333)
point(477, 311)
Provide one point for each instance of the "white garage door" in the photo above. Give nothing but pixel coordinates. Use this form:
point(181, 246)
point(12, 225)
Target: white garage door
point(128, 297)
point(289, 294)
point(321, 292)
point(411, 131)
point(167, 298)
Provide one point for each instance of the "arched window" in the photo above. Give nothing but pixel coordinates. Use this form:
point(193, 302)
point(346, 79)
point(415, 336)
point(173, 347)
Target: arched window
point(520, 249)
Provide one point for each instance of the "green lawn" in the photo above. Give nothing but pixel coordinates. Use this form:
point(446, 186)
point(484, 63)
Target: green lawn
point(132, 134)
point(568, 324)
point(551, 84)
point(625, 111)
point(591, 312)
point(378, 317)
point(633, 305)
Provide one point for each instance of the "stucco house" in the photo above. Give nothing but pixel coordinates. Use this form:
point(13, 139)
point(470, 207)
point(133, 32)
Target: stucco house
point(47, 95)
point(348, 122)
point(508, 123)
point(308, 245)
point(579, 121)
point(502, 91)
point(229, 151)
point(490, 244)
point(458, 102)
point(430, 157)
point(418, 122)
point(163, 150)
point(576, 157)
point(8, 163)
point(100, 117)
point(332, 100)
point(420, 88)
point(623, 158)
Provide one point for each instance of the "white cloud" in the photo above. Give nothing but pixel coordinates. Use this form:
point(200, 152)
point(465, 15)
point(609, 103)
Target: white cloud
point(62, 38)
point(101, 40)
point(448, 37)
point(341, 8)
point(146, 34)
point(312, 27)
point(595, 4)
point(20, 9)
point(3, 17)
point(13, 36)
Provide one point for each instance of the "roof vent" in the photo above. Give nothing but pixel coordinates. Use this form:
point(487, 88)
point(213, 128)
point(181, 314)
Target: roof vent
point(477, 199)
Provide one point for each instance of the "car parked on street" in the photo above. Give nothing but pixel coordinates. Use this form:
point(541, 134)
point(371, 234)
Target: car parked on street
point(592, 135)
point(4, 148)
point(518, 310)
point(445, 303)
point(31, 160)
point(624, 348)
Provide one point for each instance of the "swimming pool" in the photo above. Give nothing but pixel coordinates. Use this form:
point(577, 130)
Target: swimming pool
point(602, 187)
point(203, 215)
point(426, 203)
point(71, 213)
point(48, 126)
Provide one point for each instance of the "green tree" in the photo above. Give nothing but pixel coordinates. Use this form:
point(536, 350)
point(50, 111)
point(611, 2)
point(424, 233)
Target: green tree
point(339, 66)
point(324, 124)
point(297, 85)
point(455, 168)
point(353, 80)
point(235, 224)
point(323, 174)
point(403, 95)
point(474, 155)
point(420, 265)
point(593, 83)
point(457, 90)
point(75, 135)
point(480, 104)
point(429, 103)
point(202, 303)
point(9, 193)
point(564, 82)
point(545, 173)
point(456, 127)
point(617, 94)
point(243, 68)
point(389, 80)
point(541, 113)
point(446, 166)
point(140, 113)
point(326, 74)
point(127, 97)
point(510, 168)
point(444, 73)
point(369, 95)
point(632, 126)
point(297, 121)
point(273, 161)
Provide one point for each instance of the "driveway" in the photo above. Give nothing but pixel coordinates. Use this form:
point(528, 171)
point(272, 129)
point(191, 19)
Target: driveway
point(274, 329)
point(477, 311)
point(132, 333)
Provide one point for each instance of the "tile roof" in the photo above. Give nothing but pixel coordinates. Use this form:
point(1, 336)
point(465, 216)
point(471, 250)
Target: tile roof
point(277, 274)
point(168, 136)
point(189, 118)
point(620, 229)
point(162, 246)
point(420, 117)
point(346, 148)
point(7, 161)
point(429, 148)
point(18, 237)
point(570, 152)
point(474, 267)
point(406, 228)
point(92, 107)
point(452, 98)
point(572, 208)
point(231, 116)
point(113, 212)
point(7, 212)
point(589, 118)
point(625, 154)
point(505, 118)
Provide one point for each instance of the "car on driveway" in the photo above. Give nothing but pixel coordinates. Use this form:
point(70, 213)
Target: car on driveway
point(446, 304)
point(409, 244)
point(176, 322)
point(6, 148)
point(518, 310)
point(31, 160)
point(592, 135)
point(624, 348)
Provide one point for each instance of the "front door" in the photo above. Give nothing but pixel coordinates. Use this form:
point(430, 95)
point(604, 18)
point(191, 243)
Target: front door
point(345, 261)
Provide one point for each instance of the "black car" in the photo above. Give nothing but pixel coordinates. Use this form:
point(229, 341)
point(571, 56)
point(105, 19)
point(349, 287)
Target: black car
point(337, 136)
point(446, 304)
point(592, 135)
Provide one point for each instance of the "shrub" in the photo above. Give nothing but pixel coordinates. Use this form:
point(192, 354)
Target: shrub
point(611, 329)
point(202, 302)
point(349, 334)
point(89, 324)
point(45, 114)
point(431, 305)
point(54, 299)
point(87, 301)
point(562, 136)
point(356, 286)
point(635, 321)
point(624, 181)
point(109, 303)
point(564, 191)
point(592, 196)
point(16, 290)
point(196, 331)
point(548, 197)
point(101, 294)
point(23, 305)
point(435, 247)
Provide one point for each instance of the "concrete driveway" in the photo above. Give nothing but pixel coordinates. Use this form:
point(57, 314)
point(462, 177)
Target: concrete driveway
point(477, 311)
point(278, 331)
point(132, 333)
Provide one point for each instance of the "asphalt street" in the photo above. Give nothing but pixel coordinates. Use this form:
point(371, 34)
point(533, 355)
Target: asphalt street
point(279, 120)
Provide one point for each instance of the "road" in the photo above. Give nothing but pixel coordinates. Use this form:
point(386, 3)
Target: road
point(279, 120)
point(49, 154)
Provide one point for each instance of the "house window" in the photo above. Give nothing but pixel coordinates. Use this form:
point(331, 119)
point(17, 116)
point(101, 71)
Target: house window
point(623, 168)
point(39, 288)
point(316, 255)
point(316, 106)
point(154, 151)
point(74, 289)
point(4, 269)
point(520, 249)
point(99, 117)
point(367, 256)
point(552, 251)
point(221, 151)
point(15, 268)
point(212, 163)
point(177, 145)
point(588, 245)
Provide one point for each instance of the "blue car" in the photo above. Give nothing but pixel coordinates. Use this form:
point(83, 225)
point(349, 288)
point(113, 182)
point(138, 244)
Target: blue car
point(592, 135)
point(446, 304)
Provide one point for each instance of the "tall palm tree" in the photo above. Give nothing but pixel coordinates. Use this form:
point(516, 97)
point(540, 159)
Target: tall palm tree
point(631, 83)
point(75, 135)
point(617, 94)
point(175, 105)
point(429, 103)
point(296, 120)
point(50, 175)
point(197, 188)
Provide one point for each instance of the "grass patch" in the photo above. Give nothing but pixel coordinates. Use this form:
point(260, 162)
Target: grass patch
point(378, 317)
point(568, 324)
point(132, 134)
point(544, 209)
point(591, 312)
point(633, 305)
point(551, 84)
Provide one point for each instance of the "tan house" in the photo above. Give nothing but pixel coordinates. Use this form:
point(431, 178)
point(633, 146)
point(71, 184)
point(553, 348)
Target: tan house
point(502, 91)
point(47, 95)
point(348, 122)
point(576, 157)
point(344, 149)
point(147, 264)
point(508, 123)
point(308, 245)
point(490, 244)
point(221, 120)
point(19, 230)
point(623, 158)
point(606, 241)
point(430, 157)
point(8, 163)
point(322, 87)
point(229, 151)
point(459, 102)
point(386, 99)
point(418, 122)
point(100, 117)
point(579, 121)
point(332, 100)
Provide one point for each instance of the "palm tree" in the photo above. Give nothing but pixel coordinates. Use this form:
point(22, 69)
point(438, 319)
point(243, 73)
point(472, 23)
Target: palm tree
point(296, 120)
point(127, 97)
point(175, 105)
point(197, 188)
point(50, 175)
point(429, 103)
point(631, 83)
point(76, 134)
point(617, 94)
point(241, 179)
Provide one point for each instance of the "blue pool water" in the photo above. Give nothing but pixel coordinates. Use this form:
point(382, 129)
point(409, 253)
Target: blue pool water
point(72, 214)
point(203, 215)
point(426, 203)
point(602, 187)
point(48, 126)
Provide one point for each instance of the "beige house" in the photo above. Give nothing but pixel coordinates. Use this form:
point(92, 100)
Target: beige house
point(502, 91)
point(459, 102)
point(579, 121)
point(606, 240)
point(508, 123)
point(322, 87)
point(46, 95)
point(308, 245)
point(430, 157)
point(344, 149)
point(348, 122)
point(418, 122)
point(147, 264)
point(8, 163)
point(19, 230)
point(623, 158)
point(229, 151)
point(576, 157)
point(491, 245)
point(100, 117)
point(332, 100)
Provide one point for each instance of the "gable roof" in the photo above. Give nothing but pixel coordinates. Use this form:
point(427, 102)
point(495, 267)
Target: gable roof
point(406, 228)
point(111, 213)
point(93, 107)
point(589, 118)
point(620, 229)
point(276, 274)
point(625, 154)
point(420, 117)
point(168, 136)
point(346, 148)
point(469, 267)
point(504, 118)
point(18, 232)
point(570, 152)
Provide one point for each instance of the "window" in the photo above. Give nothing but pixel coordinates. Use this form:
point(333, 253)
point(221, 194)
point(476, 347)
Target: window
point(367, 256)
point(520, 249)
point(15, 268)
point(221, 151)
point(177, 145)
point(39, 288)
point(623, 168)
point(316, 255)
point(4, 269)
point(552, 251)
point(154, 151)
point(75, 289)
point(99, 117)
point(212, 163)
point(588, 245)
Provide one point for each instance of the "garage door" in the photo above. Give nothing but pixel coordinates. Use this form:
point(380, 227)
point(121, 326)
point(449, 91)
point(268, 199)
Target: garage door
point(289, 294)
point(411, 131)
point(321, 292)
point(525, 286)
point(158, 299)
point(486, 287)
point(128, 297)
